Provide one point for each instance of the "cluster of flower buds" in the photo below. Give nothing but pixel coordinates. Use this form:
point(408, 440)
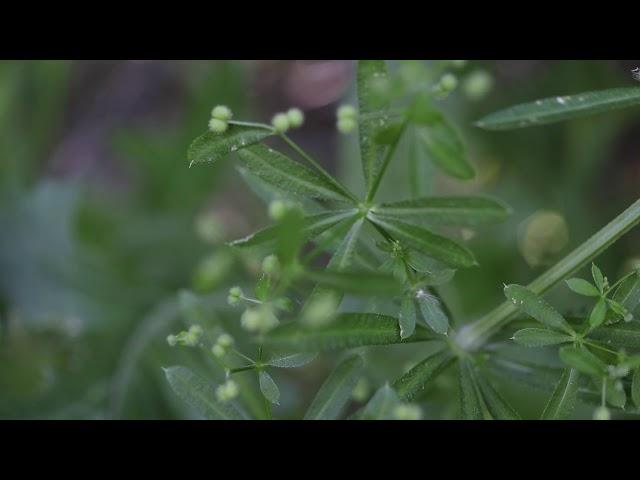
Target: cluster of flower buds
point(447, 84)
point(271, 265)
point(259, 319)
point(235, 294)
point(222, 345)
point(188, 338)
point(220, 116)
point(227, 391)
point(279, 208)
point(347, 119)
point(282, 122)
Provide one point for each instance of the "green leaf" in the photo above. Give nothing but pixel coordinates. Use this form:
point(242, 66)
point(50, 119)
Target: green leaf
point(498, 407)
point(618, 336)
point(381, 405)
point(598, 313)
point(582, 287)
point(390, 133)
point(536, 307)
point(435, 246)
point(635, 387)
point(280, 171)
point(211, 147)
point(336, 390)
point(407, 317)
point(563, 399)
point(416, 379)
point(364, 283)
point(445, 148)
point(263, 287)
point(540, 337)
point(582, 360)
point(348, 330)
point(370, 74)
point(555, 109)
point(598, 277)
point(628, 293)
point(293, 360)
point(343, 256)
point(432, 313)
point(616, 396)
point(200, 395)
point(465, 211)
point(269, 388)
point(471, 405)
point(313, 226)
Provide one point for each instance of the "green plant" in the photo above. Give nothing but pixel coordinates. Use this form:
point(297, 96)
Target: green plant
point(391, 250)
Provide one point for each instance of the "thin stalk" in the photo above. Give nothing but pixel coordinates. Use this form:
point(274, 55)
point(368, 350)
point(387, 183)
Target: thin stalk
point(472, 336)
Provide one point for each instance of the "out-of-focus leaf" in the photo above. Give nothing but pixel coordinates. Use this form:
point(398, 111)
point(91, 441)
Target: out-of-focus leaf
point(432, 313)
point(211, 147)
point(294, 360)
point(381, 405)
point(540, 337)
point(498, 407)
point(582, 360)
point(436, 246)
point(471, 405)
point(616, 396)
point(555, 109)
point(269, 388)
point(416, 379)
point(313, 225)
point(366, 283)
point(369, 77)
point(200, 395)
point(537, 307)
point(445, 148)
point(348, 330)
point(336, 390)
point(276, 169)
point(625, 335)
point(563, 399)
point(469, 211)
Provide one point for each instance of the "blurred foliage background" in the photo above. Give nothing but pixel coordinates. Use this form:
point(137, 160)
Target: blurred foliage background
point(102, 225)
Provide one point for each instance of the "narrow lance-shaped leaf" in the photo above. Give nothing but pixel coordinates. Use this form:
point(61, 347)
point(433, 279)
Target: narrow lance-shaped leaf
point(471, 404)
point(416, 379)
point(563, 399)
point(407, 316)
point(336, 390)
point(432, 313)
point(269, 388)
point(312, 226)
point(465, 211)
point(625, 335)
point(598, 313)
point(211, 147)
point(348, 330)
point(200, 395)
point(436, 246)
point(582, 360)
point(540, 337)
point(582, 287)
point(555, 109)
point(278, 170)
point(445, 148)
point(370, 74)
point(535, 306)
point(293, 360)
point(497, 406)
point(598, 277)
point(381, 405)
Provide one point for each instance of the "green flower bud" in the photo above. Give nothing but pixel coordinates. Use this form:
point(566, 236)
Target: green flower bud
point(320, 310)
point(280, 122)
point(235, 293)
point(218, 126)
point(271, 265)
point(260, 319)
point(347, 111)
point(602, 413)
point(225, 340)
point(542, 236)
point(295, 117)
point(346, 125)
point(278, 209)
point(172, 340)
point(361, 391)
point(222, 112)
point(407, 411)
point(227, 391)
point(477, 84)
point(209, 228)
point(448, 83)
point(218, 350)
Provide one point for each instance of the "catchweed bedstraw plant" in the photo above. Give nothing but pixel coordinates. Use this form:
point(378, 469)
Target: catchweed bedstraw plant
point(395, 250)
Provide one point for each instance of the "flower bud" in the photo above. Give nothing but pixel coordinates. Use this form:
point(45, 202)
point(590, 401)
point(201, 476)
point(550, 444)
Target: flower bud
point(227, 391)
point(271, 265)
point(225, 340)
point(295, 117)
point(602, 413)
point(448, 83)
point(278, 209)
point(346, 125)
point(477, 84)
point(407, 411)
point(235, 293)
point(172, 340)
point(218, 350)
point(221, 112)
point(280, 122)
point(347, 111)
point(218, 126)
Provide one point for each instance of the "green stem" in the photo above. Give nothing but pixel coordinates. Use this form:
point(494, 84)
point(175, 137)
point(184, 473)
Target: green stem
point(264, 126)
point(321, 170)
point(472, 336)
